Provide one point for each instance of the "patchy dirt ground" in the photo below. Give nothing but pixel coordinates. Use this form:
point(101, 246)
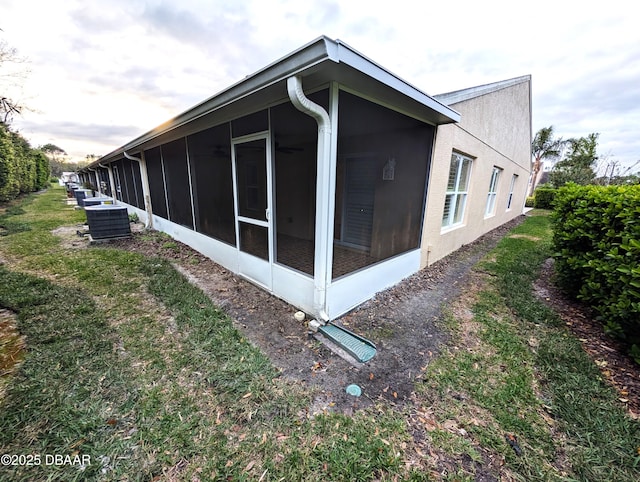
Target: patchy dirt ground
point(402, 321)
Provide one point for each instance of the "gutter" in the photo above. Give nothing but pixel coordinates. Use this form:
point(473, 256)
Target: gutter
point(321, 257)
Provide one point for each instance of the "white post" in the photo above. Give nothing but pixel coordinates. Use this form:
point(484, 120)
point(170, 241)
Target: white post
point(112, 184)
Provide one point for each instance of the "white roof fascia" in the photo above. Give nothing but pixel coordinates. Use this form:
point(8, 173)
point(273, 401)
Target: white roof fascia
point(457, 96)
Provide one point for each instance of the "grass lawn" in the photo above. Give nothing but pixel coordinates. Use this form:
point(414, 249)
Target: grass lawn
point(134, 374)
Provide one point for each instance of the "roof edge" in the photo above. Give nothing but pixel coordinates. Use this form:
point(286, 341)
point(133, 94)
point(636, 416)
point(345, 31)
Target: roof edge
point(457, 96)
point(319, 50)
point(316, 51)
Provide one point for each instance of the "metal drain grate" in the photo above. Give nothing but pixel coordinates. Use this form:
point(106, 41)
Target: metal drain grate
point(362, 349)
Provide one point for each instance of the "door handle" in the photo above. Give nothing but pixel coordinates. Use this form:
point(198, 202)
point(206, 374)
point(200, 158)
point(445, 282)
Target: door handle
point(267, 214)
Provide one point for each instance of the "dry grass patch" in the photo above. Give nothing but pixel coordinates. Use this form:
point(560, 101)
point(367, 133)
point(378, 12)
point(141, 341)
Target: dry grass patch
point(525, 236)
point(12, 346)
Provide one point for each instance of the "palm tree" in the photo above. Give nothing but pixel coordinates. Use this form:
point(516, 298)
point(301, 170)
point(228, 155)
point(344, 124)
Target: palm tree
point(544, 146)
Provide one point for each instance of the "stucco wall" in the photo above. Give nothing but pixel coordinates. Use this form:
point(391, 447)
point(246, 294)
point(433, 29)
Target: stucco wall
point(502, 120)
point(495, 130)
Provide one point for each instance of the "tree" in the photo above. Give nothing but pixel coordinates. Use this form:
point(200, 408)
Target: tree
point(42, 169)
point(56, 165)
point(578, 165)
point(627, 176)
point(9, 187)
point(53, 151)
point(544, 147)
point(7, 109)
point(22, 168)
point(10, 77)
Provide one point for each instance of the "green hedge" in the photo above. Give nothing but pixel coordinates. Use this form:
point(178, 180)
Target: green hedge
point(22, 168)
point(543, 198)
point(597, 250)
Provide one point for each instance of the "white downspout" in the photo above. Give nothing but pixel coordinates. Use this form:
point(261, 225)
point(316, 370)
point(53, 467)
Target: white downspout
point(95, 171)
point(145, 188)
point(322, 270)
point(112, 182)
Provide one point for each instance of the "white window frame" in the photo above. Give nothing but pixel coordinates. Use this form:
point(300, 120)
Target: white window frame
point(512, 187)
point(457, 195)
point(492, 195)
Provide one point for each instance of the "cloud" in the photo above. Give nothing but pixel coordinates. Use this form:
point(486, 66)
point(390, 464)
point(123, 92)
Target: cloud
point(110, 66)
point(78, 131)
point(79, 139)
point(322, 14)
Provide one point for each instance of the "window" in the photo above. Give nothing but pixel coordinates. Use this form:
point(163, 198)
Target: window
point(511, 188)
point(493, 192)
point(457, 189)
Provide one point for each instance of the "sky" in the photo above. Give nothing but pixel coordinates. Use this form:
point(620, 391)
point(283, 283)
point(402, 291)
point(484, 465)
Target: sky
point(99, 73)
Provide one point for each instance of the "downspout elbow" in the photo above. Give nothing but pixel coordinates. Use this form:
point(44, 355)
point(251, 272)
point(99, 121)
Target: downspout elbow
point(304, 104)
point(130, 157)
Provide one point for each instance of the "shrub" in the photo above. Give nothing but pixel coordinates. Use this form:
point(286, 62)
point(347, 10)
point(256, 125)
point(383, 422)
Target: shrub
point(529, 202)
point(543, 198)
point(597, 250)
point(22, 168)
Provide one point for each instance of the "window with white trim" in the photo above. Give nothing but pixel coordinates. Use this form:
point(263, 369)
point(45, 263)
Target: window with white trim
point(493, 192)
point(511, 189)
point(457, 189)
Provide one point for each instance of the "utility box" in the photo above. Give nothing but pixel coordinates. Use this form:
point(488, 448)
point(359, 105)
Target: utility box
point(81, 194)
point(96, 201)
point(108, 221)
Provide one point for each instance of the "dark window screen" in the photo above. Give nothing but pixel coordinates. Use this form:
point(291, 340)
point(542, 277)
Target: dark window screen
point(131, 169)
point(212, 181)
point(382, 167)
point(156, 182)
point(296, 151)
point(121, 186)
point(116, 181)
point(137, 184)
point(251, 173)
point(128, 194)
point(103, 174)
point(250, 124)
point(176, 170)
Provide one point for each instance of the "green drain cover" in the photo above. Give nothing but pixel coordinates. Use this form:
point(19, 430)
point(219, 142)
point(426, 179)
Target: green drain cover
point(362, 349)
point(354, 390)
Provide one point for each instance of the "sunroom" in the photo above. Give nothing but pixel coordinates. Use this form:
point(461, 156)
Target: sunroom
point(308, 178)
